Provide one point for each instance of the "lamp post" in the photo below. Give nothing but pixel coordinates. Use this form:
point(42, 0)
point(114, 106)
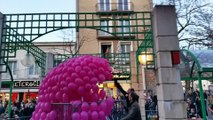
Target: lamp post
point(11, 88)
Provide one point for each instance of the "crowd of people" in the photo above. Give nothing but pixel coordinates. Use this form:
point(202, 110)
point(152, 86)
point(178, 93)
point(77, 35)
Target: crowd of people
point(193, 104)
point(19, 110)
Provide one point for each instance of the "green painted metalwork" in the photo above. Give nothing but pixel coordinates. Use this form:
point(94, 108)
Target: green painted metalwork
point(11, 88)
point(32, 26)
point(13, 41)
point(28, 27)
point(197, 66)
point(120, 62)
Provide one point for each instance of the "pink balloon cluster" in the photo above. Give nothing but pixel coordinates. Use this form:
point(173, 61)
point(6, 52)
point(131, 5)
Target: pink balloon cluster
point(75, 81)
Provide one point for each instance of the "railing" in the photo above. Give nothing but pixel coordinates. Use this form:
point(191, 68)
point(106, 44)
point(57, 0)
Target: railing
point(116, 7)
point(120, 62)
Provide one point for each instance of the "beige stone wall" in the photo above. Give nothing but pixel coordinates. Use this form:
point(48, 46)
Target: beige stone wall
point(92, 44)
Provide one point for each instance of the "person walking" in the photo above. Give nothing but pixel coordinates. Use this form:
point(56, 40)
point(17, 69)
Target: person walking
point(134, 110)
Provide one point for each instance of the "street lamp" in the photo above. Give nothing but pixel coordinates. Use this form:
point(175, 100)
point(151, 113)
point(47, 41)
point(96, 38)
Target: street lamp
point(28, 60)
point(145, 57)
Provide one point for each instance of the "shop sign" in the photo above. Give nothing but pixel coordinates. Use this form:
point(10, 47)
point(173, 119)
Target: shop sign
point(26, 84)
point(121, 76)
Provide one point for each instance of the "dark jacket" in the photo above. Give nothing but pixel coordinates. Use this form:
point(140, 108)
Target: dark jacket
point(126, 107)
point(134, 112)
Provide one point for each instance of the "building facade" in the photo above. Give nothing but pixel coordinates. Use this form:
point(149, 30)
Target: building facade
point(100, 41)
point(27, 77)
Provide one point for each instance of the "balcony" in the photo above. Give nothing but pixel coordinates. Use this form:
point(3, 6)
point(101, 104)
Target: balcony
point(121, 32)
point(114, 7)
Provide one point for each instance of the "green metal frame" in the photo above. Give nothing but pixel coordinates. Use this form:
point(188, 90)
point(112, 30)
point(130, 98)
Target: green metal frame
point(21, 29)
point(199, 77)
point(119, 61)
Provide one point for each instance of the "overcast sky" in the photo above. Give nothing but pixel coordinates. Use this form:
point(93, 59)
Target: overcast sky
point(39, 6)
point(29, 6)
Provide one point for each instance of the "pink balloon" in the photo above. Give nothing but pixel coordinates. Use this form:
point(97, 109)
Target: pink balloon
point(77, 69)
point(85, 107)
point(53, 114)
point(94, 80)
point(103, 106)
point(58, 96)
point(46, 97)
point(79, 81)
point(91, 74)
point(86, 68)
point(102, 115)
point(81, 90)
point(75, 79)
point(86, 79)
point(92, 65)
point(66, 90)
point(88, 86)
point(94, 97)
point(65, 98)
point(74, 76)
point(47, 106)
point(43, 115)
point(94, 106)
point(76, 103)
point(70, 70)
point(76, 116)
point(102, 94)
point(63, 83)
point(101, 78)
point(84, 115)
point(95, 88)
point(55, 89)
point(82, 73)
point(72, 86)
point(94, 115)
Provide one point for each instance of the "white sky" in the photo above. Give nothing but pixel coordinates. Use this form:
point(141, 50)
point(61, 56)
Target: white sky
point(39, 6)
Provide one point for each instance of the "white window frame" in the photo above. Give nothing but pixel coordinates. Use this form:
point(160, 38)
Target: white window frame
point(35, 70)
point(105, 5)
point(11, 67)
point(106, 24)
point(126, 28)
point(123, 5)
point(14, 64)
point(106, 43)
point(126, 43)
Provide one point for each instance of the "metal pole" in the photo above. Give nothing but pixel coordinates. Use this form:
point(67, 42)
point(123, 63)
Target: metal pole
point(201, 97)
point(11, 89)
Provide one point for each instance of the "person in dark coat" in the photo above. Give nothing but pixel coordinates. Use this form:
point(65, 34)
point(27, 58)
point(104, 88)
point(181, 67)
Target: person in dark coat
point(134, 111)
point(125, 93)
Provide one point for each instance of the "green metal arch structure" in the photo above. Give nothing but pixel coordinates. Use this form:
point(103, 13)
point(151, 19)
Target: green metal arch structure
point(20, 30)
point(197, 65)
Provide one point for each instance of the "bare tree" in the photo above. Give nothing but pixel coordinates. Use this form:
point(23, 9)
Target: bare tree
point(195, 24)
point(71, 44)
point(194, 20)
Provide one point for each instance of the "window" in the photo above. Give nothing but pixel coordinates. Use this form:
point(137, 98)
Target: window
point(124, 26)
point(105, 49)
point(33, 69)
point(104, 25)
point(13, 67)
point(125, 47)
point(123, 5)
point(104, 5)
